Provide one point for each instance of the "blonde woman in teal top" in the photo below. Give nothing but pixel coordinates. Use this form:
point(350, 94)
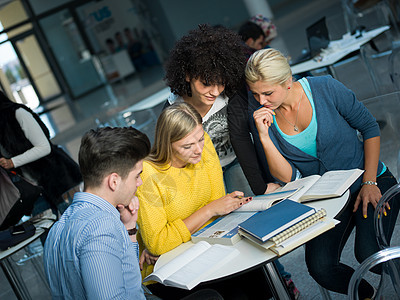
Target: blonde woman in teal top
point(312, 126)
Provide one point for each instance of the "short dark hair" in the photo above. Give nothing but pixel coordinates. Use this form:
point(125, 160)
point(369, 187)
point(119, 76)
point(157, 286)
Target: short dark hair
point(107, 150)
point(250, 30)
point(215, 55)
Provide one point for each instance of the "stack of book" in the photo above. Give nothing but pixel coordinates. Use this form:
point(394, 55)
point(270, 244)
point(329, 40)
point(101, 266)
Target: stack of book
point(260, 211)
point(285, 226)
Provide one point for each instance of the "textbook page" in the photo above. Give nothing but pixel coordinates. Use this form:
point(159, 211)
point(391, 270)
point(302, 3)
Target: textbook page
point(332, 184)
point(196, 270)
point(178, 262)
point(262, 202)
point(223, 230)
point(303, 184)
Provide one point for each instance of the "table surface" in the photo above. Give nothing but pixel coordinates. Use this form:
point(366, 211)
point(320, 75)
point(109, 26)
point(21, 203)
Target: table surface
point(337, 50)
point(250, 255)
point(149, 102)
point(40, 229)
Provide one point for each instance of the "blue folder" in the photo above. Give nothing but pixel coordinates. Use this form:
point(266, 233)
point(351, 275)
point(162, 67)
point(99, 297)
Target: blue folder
point(275, 219)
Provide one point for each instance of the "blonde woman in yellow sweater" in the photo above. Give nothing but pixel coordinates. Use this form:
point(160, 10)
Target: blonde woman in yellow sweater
point(182, 189)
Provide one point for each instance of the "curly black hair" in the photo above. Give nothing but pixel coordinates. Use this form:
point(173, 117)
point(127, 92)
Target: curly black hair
point(213, 54)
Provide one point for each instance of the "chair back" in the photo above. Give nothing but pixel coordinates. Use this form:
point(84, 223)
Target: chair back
point(386, 255)
point(370, 14)
point(378, 215)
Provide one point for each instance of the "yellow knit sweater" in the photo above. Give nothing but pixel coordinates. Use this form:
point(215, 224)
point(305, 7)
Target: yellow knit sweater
point(168, 195)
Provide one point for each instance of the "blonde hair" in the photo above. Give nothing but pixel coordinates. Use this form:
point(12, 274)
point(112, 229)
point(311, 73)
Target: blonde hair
point(174, 123)
point(268, 65)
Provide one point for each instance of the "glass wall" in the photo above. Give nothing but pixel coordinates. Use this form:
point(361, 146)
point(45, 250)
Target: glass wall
point(71, 53)
point(118, 34)
point(14, 79)
point(85, 42)
point(38, 67)
point(41, 6)
point(12, 13)
point(25, 73)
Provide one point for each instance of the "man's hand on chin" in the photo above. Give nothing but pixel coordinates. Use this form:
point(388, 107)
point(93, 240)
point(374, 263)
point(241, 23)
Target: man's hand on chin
point(129, 213)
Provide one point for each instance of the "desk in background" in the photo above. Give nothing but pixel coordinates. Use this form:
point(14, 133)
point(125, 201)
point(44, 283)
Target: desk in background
point(337, 50)
point(252, 256)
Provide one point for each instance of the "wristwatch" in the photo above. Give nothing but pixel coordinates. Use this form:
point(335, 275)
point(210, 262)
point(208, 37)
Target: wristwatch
point(132, 231)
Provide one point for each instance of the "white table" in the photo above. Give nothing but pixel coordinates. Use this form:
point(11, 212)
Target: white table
point(252, 256)
point(337, 50)
point(126, 116)
point(6, 263)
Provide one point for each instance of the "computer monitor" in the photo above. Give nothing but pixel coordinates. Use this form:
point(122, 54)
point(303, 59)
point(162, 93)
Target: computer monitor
point(317, 36)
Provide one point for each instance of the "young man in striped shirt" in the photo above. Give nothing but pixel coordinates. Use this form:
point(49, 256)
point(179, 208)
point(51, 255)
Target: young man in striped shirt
point(91, 252)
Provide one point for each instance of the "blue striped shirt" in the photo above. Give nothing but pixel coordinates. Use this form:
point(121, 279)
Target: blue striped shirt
point(88, 253)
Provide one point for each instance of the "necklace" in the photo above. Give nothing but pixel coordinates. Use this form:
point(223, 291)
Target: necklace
point(295, 128)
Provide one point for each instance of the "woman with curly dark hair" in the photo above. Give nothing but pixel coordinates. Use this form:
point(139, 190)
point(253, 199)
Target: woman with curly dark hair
point(204, 69)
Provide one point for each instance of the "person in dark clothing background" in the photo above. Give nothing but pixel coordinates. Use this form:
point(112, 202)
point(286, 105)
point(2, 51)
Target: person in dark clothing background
point(25, 148)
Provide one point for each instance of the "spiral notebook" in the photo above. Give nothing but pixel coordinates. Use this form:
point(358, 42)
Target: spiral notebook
point(297, 234)
point(296, 228)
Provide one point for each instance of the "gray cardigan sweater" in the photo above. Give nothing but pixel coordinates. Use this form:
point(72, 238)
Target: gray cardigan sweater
point(339, 116)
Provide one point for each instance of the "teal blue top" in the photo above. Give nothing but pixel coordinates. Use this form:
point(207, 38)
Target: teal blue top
point(306, 140)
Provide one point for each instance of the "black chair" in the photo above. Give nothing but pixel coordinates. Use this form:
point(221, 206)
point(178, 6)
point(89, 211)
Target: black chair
point(369, 14)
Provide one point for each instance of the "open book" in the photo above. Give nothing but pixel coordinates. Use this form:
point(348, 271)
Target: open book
point(223, 230)
point(331, 184)
point(189, 268)
point(262, 202)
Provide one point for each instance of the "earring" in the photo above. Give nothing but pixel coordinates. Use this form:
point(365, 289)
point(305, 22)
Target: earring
point(288, 87)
